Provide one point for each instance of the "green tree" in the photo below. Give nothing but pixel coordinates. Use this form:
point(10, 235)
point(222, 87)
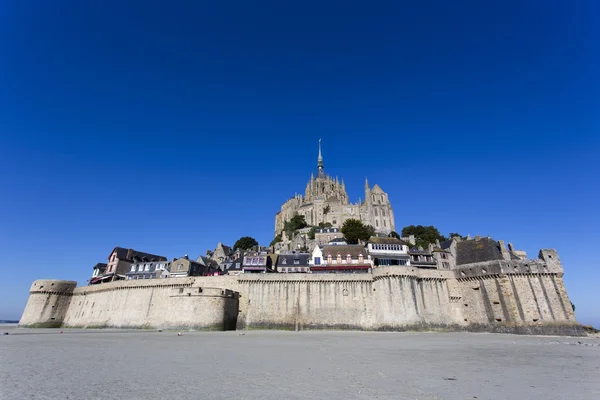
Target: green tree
point(454, 234)
point(291, 226)
point(354, 230)
point(423, 234)
point(311, 233)
point(245, 243)
point(277, 239)
point(394, 234)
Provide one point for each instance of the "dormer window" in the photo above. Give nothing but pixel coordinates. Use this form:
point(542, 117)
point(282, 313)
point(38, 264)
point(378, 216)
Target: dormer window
point(296, 262)
point(339, 258)
point(348, 258)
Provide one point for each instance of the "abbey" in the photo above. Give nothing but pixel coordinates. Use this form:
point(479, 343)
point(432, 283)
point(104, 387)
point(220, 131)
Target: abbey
point(326, 201)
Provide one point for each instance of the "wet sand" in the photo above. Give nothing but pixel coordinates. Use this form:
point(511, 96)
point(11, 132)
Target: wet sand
point(110, 364)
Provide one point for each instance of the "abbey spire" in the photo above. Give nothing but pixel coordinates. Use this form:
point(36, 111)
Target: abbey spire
point(320, 166)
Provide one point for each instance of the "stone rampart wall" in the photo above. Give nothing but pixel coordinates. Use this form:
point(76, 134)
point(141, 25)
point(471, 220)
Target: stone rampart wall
point(177, 303)
point(482, 297)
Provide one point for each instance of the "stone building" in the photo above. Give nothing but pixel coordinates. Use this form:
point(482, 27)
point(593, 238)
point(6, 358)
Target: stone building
point(148, 269)
point(120, 260)
point(258, 262)
point(325, 201)
point(293, 263)
point(325, 235)
point(351, 258)
point(183, 266)
point(388, 251)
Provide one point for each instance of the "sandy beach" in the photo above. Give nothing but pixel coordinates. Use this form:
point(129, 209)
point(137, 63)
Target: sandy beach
point(110, 364)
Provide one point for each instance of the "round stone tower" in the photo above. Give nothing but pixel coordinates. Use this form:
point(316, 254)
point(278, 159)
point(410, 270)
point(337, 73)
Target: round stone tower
point(48, 303)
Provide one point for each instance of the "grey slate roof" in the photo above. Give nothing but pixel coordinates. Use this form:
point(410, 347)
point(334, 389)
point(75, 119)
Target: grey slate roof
point(287, 260)
point(207, 261)
point(472, 251)
point(446, 244)
point(131, 254)
point(100, 266)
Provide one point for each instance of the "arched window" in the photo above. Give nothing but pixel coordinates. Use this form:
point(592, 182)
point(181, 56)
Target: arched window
point(376, 222)
point(339, 258)
point(329, 259)
point(348, 258)
point(375, 211)
point(361, 258)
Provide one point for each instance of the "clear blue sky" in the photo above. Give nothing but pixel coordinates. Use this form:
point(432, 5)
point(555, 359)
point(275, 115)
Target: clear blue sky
point(170, 127)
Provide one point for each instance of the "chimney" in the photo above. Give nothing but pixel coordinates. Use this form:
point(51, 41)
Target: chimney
point(185, 256)
point(437, 242)
point(511, 247)
point(505, 253)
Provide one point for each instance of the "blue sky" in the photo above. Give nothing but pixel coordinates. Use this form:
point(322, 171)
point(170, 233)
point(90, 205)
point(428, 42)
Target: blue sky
point(168, 127)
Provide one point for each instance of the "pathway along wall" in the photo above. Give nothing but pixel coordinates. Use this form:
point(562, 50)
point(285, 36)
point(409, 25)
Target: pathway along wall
point(492, 297)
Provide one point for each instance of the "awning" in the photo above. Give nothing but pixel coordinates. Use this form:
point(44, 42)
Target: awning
point(340, 267)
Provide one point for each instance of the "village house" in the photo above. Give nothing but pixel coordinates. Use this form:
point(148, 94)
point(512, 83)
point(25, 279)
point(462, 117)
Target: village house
point(293, 263)
point(119, 263)
point(422, 258)
point(351, 258)
point(183, 266)
point(148, 269)
point(388, 251)
point(97, 274)
point(325, 235)
point(222, 253)
point(258, 262)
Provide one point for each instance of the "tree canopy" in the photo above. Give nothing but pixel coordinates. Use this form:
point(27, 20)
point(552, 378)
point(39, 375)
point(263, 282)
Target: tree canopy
point(291, 226)
point(245, 243)
point(423, 234)
point(394, 234)
point(354, 230)
point(277, 239)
